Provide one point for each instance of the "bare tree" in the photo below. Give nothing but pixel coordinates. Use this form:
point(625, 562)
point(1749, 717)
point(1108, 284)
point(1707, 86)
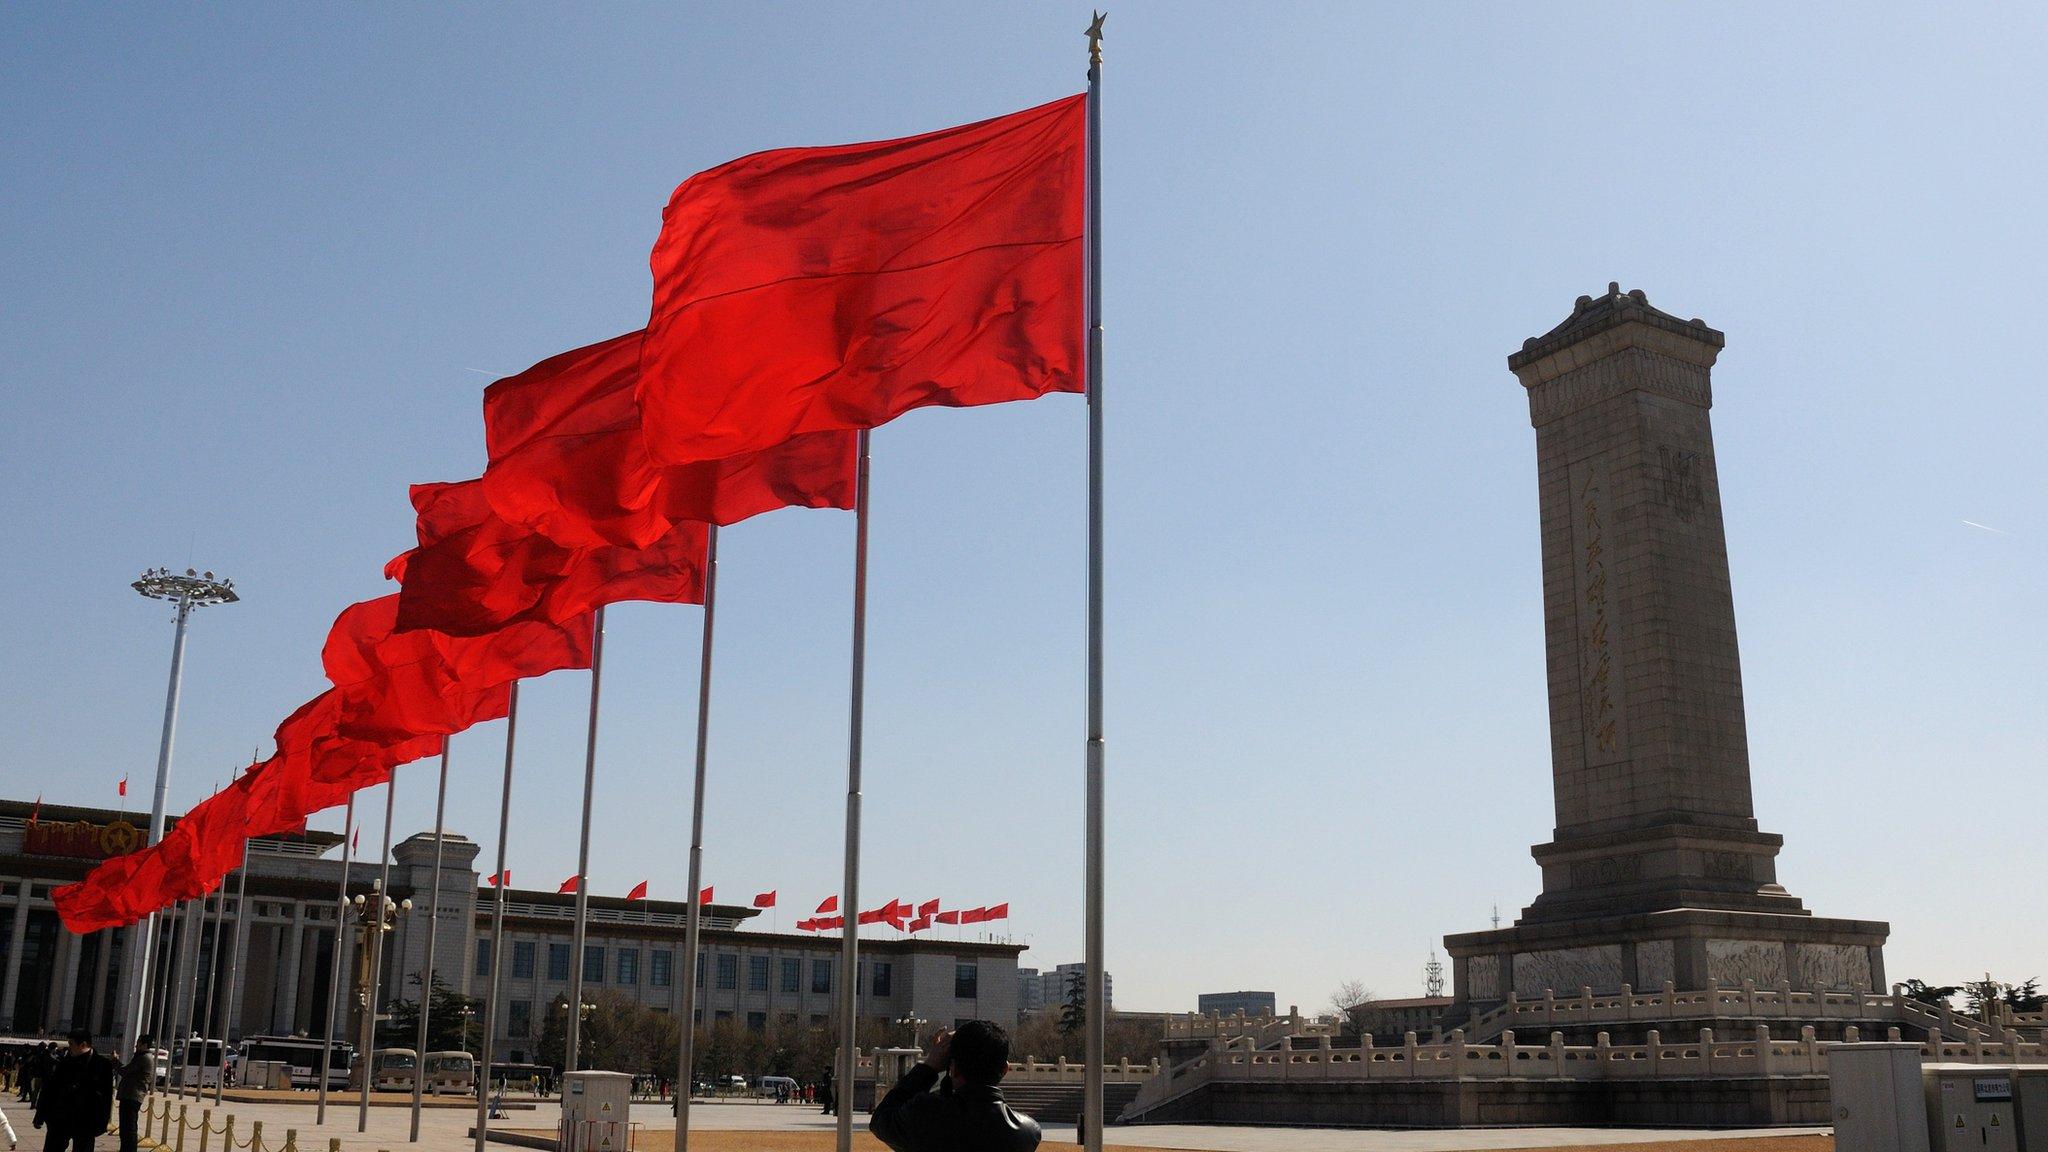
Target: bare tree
point(1348, 995)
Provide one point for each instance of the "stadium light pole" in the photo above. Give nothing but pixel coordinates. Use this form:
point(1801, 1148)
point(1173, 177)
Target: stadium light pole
point(189, 591)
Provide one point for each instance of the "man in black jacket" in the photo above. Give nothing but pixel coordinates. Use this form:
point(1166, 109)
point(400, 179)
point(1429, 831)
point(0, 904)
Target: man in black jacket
point(137, 1077)
point(77, 1097)
point(967, 1112)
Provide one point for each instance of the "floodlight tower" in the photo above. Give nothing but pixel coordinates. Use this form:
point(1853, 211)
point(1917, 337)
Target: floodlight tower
point(189, 591)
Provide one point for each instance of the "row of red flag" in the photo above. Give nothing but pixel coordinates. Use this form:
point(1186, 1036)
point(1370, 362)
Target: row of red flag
point(903, 916)
point(800, 296)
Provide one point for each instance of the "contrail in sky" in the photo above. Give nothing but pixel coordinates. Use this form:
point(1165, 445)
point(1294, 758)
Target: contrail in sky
point(1987, 527)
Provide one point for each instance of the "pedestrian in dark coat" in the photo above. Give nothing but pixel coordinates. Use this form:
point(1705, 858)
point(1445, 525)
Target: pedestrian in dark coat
point(136, 1078)
point(967, 1112)
point(77, 1097)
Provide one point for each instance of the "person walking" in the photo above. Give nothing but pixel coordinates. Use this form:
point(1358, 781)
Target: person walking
point(77, 1097)
point(136, 1075)
point(966, 1112)
point(825, 1096)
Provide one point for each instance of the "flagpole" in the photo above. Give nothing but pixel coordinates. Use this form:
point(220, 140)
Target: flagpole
point(220, 917)
point(686, 1027)
point(433, 925)
point(234, 963)
point(575, 1029)
point(340, 944)
point(483, 1094)
point(1091, 1076)
point(183, 980)
point(849, 936)
point(374, 939)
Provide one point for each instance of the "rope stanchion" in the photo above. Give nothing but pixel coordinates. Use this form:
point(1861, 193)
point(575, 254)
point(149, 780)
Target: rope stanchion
point(179, 1145)
point(255, 1136)
point(291, 1140)
point(205, 1127)
point(227, 1133)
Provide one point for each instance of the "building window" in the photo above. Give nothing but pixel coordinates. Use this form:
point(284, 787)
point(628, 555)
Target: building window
point(722, 1015)
point(593, 963)
point(966, 982)
point(757, 973)
point(881, 981)
point(792, 973)
point(558, 961)
point(728, 971)
point(661, 968)
point(519, 1019)
point(522, 959)
point(629, 966)
point(821, 976)
point(483, 957)
point(757, 1021)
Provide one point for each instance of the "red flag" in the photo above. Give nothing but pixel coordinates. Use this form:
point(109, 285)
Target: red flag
point(704, 897)
point(807, 289)
point(571, 884)
point(997, 912)
point(568, 459)
point(36, 813)
point(872, 916)
point(920, 924)
point(828, 904)
point(825, 922)
point(122, 790)
point(973, 915)
point(475, 573)
point(928, 908)
point(807, 925)
point(497, 878)
point(897, 913)
point(355, 842)
point(639, 891)
point(765, 900)
point(948, 917)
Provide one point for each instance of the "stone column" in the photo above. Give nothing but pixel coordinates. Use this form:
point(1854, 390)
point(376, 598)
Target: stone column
point(285, 1016)
point(12, 982)
point(242, 930)
point(62, 988)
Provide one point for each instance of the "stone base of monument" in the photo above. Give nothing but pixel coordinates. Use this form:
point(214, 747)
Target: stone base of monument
point(1735, 1102)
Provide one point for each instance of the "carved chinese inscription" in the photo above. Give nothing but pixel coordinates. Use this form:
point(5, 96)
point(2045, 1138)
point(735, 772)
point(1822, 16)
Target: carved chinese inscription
point(1682, 481)
point(1600, 681)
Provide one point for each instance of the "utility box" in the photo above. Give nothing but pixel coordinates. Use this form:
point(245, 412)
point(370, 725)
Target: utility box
point(2030, 1100)
point(1878, 1100)
point(1971, 1106)
point(594, 1112)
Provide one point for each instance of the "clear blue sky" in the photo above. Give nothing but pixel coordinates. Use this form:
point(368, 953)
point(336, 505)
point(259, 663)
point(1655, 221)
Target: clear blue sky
point(261, 260)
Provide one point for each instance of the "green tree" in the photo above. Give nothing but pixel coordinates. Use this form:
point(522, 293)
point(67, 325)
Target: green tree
point(1937, 995)
point(453, 1020)
point(1074, 1013)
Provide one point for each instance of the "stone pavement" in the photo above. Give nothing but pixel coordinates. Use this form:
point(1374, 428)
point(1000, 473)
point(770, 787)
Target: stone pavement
point(447, 1130)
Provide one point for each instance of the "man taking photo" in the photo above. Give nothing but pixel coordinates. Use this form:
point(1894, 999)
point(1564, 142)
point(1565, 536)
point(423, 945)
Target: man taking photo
point(950, 1101)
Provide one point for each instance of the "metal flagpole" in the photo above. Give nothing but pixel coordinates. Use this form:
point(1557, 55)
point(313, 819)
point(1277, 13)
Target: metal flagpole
point(1096, 1000)
point(433, 923)
point(180, 1022)
point(227, 1026)
point(340, 945)
point(374, 940)
point(575, 1031)
point(220, 916)
point(849, 906)
point(687, 1020)
point(483, 1093)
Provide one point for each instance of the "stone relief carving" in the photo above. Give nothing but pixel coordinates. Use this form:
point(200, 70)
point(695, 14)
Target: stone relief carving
point(1482, 978)
point(1724, 866)
point(1682, 489)
point(1566, 970)
point(1730, 962)
point(1613, 376)
point(1606, 870)
point(1656, 964)
point(1831, 967)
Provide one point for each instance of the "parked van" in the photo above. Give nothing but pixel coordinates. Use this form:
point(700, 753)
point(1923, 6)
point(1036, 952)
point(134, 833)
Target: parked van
point(392, 1069)
point(453, 1072)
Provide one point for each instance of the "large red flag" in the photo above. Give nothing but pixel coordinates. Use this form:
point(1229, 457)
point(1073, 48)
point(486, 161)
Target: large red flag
point(568, 459)
point(807, 289)
point(476, 573)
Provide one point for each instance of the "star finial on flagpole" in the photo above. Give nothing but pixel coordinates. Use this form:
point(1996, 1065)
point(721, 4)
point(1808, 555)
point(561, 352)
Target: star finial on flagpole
point(1095, 37)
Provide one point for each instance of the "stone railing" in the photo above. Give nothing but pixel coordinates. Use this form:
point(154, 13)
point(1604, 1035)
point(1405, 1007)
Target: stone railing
point(1264, 1030)
point(1458, 1059)
point(1032, 1070)
point(1746, 1002)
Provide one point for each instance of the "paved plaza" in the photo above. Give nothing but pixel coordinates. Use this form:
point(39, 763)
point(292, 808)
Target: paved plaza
point(802, 1128)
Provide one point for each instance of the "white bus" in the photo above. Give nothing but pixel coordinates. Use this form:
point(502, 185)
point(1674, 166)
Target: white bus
point(302, 1055)
point(203, 1062)
point(453, 1072)
point(394, 1068)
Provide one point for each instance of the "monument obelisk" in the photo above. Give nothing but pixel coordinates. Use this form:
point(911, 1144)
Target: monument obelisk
point(1656, 871)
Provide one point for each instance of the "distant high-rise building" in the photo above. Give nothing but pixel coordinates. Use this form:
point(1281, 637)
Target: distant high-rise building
point(1030, 991)
point(1231, 1003)
point(1052, 987)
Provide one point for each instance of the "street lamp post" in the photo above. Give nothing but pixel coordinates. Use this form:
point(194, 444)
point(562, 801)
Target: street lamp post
point(189, 591)
point(375, 916)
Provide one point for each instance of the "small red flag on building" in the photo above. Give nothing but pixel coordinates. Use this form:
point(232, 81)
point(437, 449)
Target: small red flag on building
point(998, 912)
point(639, 891)
point(765, 899)
point(828, 904)
point(355, 842)
point(37, 814)
point(499, 880)
point(704, 897)
point(123, 789)
point(974, 915)
point(952, 917)
point(928, 908)
point(920, 924)
point(571, 884)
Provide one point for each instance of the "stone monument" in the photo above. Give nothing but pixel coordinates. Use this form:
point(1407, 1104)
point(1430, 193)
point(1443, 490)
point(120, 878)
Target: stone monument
point(1656, 872)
